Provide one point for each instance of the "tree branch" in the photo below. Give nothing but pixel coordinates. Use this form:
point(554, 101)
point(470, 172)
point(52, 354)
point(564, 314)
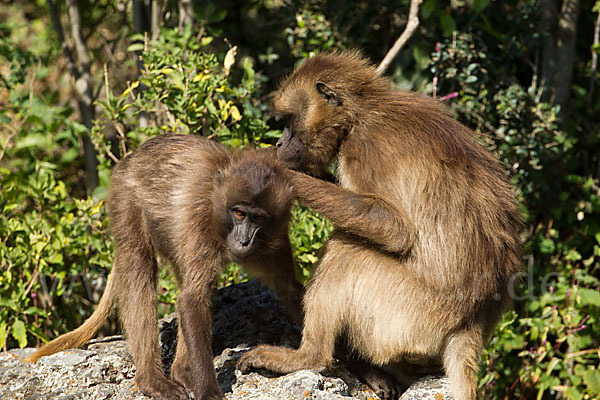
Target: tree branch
point(594, 59)
point(61, 38)
point(186, 13)
point(411, 25)
point(565, 56)
point(81, 72)
point(83, 55)
point(156, 18)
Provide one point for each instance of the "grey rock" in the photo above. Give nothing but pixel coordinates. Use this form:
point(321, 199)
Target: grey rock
point(245, 315)
point(429, 388)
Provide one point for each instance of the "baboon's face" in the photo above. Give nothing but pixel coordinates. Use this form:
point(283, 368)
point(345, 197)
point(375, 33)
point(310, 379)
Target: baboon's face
point(314, 126)
point(247, 228)
point(251, 207)
point(290, 149)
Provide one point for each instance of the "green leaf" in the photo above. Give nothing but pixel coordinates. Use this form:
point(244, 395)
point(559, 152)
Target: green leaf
point(589, 296)
point(248, 79)
point(136, 47)
point(8, 303)
point(592, 380)
point(573, 394)
point(206, 40)
point(421, 56)
point(514, 343)
point(480, 5)
point(19, 333)
point(3, 327)
point(448, 24)
point(218, 17)
point(547, 246)
point(34, 310)
point(69, 156)
point(129, 89)
point(57, 258)
point(137, 37)
point(428, 7)
point(39, 334)
point(312, 258)
point(32, 140)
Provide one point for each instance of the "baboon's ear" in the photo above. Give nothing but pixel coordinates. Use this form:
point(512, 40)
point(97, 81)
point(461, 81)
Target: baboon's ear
point(328, 93)
point(220, 177)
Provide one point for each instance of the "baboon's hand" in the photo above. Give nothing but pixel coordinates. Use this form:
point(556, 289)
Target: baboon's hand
point(275, 358)
point(255, 358)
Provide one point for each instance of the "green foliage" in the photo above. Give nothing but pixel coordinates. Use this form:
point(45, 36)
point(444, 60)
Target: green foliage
point(185, 88)
point(52, 245)
point(18, 58)
point(52, 248)
point(522, 130)
point(313, 33)
point(31, 126)
point(308, 233)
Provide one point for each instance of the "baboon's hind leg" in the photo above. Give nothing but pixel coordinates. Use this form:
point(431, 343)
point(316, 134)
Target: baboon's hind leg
point(460, 360)
point(137, 278)
point(318, 341)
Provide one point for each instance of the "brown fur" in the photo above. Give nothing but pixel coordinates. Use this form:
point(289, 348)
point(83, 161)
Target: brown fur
point(173, 196)
point(427, 226)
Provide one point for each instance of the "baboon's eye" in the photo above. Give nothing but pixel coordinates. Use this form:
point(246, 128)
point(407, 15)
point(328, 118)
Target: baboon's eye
point(239, 214)
point(259, 219)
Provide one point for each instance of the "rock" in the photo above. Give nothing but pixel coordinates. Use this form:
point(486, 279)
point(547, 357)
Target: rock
point(429, 388)
point(245, 315)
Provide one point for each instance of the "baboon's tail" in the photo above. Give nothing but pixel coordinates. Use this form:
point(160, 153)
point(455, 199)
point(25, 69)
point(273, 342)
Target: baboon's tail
point(80, 336)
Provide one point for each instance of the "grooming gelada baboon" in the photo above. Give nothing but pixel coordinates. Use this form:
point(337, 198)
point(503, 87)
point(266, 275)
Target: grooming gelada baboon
point(426, 234)
point(199, 206)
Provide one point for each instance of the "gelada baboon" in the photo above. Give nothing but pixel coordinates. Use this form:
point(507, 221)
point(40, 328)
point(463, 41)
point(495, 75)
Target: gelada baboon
point(426, 225)
point(199, 206)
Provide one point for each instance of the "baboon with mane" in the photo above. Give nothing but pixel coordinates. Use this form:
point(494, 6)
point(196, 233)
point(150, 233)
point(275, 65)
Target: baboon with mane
point(426, 240)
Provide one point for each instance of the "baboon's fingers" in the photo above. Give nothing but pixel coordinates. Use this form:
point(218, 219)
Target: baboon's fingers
point(255, 358)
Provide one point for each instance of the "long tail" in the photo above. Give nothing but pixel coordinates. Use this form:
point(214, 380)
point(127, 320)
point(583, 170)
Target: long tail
point(80, 336)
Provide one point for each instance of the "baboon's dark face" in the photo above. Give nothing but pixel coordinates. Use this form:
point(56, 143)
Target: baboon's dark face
point(251, 206)
point(247, 228)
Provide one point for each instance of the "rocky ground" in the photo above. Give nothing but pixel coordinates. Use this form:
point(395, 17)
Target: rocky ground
point(245, 315)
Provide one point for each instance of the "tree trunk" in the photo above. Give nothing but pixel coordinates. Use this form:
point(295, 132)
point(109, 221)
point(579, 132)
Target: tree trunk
point(548, 29)
point(186, 13)
point(84, 88)
point(81, 73)
point(558, 51)
point(142, 23)
point(565, 45)
point(156, 19)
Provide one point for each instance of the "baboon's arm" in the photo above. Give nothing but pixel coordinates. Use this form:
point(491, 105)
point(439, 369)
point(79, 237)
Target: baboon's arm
point(365, 215)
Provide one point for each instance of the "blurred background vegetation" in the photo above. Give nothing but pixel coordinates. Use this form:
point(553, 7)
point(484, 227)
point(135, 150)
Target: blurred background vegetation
point(83, 82)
